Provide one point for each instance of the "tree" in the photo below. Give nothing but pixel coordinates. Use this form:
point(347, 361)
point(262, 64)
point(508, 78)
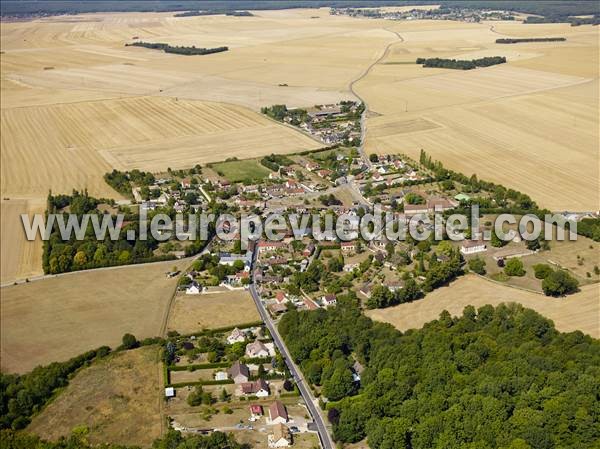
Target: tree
point(514, 267)
point(559, 283)
point(373, 157)
point(339, 385)
point(496, 241)
point(129, 341)
point(542, 270)
point(477, 265)
point(533, 245)
point(80, 259)
point(288, 385)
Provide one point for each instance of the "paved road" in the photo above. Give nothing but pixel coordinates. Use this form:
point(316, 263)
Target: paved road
point(311, 402)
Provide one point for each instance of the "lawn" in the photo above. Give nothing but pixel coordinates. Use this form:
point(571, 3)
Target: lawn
point(249, 170)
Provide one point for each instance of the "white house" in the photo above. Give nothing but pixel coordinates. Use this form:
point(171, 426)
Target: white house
point(236, 336)
point(281, 437)
point(193, 289)
point(221, 375)
point(257, 349)
point(169, 392)
point(472, 246)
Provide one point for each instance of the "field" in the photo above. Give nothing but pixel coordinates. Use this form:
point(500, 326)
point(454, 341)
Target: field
point(240, 171)
point(527, 124)
point(20, 258)
point(116, 398)
point(60, 317)
point(580, 311)
point(75, 102)
point(192, 313)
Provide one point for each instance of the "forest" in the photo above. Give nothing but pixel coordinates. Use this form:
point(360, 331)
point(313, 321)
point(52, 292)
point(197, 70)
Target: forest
point(493, 378)
point(458, 64)
point(60, 256)
point(179, 50)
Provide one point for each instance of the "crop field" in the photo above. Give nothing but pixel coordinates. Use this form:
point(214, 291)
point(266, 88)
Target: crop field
point(530, 124)
point(60, 317)
point(116, 398)
point(580, 311)
point(192, 313)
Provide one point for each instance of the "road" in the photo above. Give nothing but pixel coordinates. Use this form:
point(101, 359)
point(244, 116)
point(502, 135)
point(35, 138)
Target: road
point(309, 399)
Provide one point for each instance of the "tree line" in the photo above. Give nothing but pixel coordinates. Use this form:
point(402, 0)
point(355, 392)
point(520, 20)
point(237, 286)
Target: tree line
point(179, 50)
point(121, 181)
point(78, 440)
point(498, 377)
point(529, 39)
point(460, 64)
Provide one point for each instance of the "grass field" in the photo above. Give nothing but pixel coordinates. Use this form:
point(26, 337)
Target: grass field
point(580, 311)
point(192, 313)
point(116, 398)
point(57, 318)
point(240, 171)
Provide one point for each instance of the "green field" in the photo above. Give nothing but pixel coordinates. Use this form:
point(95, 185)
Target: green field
point(241, 171)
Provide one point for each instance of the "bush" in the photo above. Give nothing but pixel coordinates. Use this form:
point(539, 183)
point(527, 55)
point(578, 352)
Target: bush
point(477, 265)
point(559, 283)
point(129, 341)
point(542, 270)
point(514, 267)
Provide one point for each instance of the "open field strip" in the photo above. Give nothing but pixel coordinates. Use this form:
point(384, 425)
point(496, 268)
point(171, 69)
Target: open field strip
point(57, 318)
point(580, 311)
point(20, 258)
point(116, 398)
point(192, 313)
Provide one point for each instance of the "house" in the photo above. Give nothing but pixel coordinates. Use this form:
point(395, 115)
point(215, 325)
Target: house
point(258, 388)
point(411, 210)
point(348, 247)
point(193, 289)
point(310, 248)
point(291, 184)
point(186, 183)
point(221, 375)
point(264, 246)
point(277, 309)
point(281, 297)
point(239, 372)
point(236, 336)
point(377, 176)
point(281, 437)
point(277, 413)
point(311, 166)
point(256, 411)
point(439, 205)
point(462, 197)
point(472, 246)
point(324, 173)
point(256, 349)
point(329, 300)
point(169, 392)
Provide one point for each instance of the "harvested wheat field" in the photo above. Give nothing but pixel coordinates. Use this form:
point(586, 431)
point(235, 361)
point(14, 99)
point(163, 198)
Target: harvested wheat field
point(192, 313)
point(530, 124)
point(116, 398)
point(20, 257)
point(580, 311)
point(59, 317)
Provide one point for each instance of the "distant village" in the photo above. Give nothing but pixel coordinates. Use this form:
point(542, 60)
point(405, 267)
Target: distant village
point(473, 15)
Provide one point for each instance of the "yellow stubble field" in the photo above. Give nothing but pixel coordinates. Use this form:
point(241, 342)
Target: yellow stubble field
point(530, 124)
point(580, 311)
